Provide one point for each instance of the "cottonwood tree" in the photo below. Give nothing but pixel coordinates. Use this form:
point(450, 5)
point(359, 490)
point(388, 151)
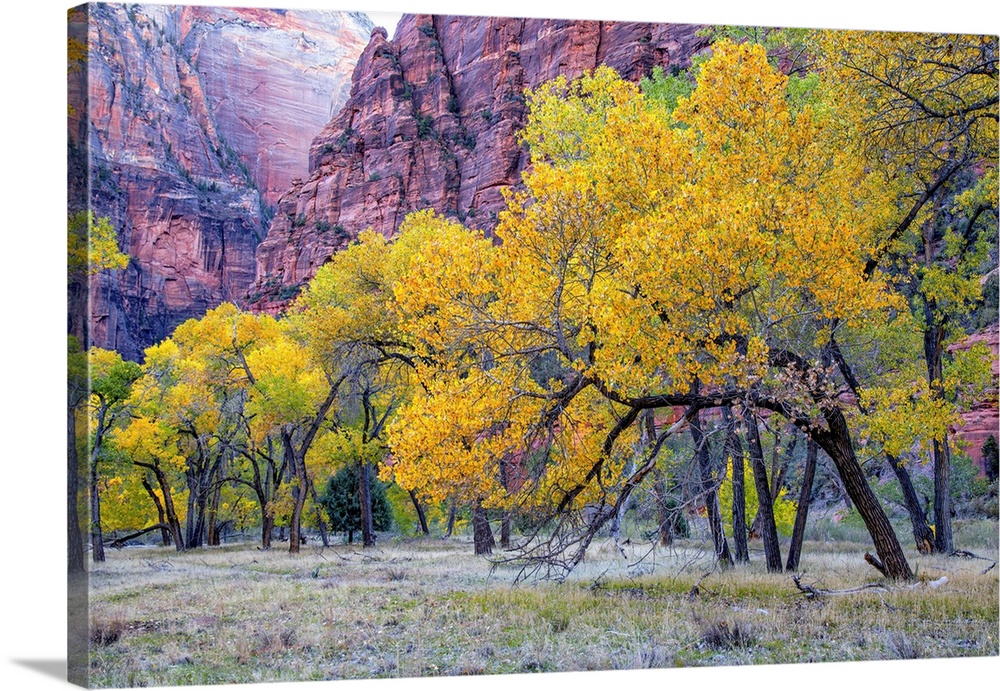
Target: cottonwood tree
point(924, 107)
point(689, 258)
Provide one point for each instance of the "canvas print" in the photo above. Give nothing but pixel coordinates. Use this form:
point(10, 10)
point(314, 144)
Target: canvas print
point(460, 345)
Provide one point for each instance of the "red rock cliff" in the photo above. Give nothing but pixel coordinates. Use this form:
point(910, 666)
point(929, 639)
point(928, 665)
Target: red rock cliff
point(432, 121)
point(199, 118)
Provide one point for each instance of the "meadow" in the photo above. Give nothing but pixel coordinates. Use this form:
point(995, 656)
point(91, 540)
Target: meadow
point(428, 607)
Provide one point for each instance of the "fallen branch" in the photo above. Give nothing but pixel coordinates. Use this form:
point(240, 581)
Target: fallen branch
point(969, 555)
point(873, 560)
point(812, 592)
point(696, 588)
point(120, 542)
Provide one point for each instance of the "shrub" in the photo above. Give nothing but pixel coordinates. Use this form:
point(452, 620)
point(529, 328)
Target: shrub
point(340, 500)
point(425, 126)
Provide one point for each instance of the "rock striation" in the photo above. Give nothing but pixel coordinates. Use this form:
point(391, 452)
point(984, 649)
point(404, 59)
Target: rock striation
point(199, 118)
point(432, 122)
point(982, 420)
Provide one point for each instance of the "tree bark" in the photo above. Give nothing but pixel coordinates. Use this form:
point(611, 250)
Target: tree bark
point(365, 501)
point(451, 519)
point(836, 442)
point(213, 539)
point(176, 534)
point(96, 534)
point(421, 516)
point(664, 517)
point(266, 529)
point(482, 534)
point(802, 512)
point(943, 539)
point(923, 536)
point(933, 353)
point(298, 491)
point(709, 488)
point(734, 448)
point(160, 513)
point(74, 535)
point(765, 506)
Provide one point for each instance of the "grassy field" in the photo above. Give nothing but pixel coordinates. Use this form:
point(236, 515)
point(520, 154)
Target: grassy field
point(428, 607)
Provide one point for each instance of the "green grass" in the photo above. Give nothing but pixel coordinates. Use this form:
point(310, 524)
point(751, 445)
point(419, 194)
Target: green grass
point(428, 607)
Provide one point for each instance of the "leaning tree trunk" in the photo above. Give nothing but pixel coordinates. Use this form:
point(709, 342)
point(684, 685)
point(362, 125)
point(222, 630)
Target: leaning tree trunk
point(176, 534)
point(922, 533)
point(765, 508)
point(835, 440)
point(482, 534)
point(160, 513)
point(365, 500)
point(734, 448)
point(709, 490)
point(799, 531)
point(421, 516)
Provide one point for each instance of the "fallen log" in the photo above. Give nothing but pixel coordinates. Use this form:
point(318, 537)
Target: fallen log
point(812, 592)
point(120, 542)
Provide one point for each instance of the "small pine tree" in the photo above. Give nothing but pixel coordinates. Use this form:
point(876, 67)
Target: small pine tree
point(340, 500)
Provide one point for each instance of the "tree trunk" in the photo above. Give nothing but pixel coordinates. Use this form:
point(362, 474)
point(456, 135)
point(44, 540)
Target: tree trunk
point(664, 517)
point(365, 501)
point(836, 442)
point(943, 539)
point(923, 536)
point(297, 467)
point(266, 529)
point(421, 517)
point(160, 513)
point(734, 448)
point(933, 353)
point(176, 534)
point(765, 507)
point(505, 530)
point(74, 535)
point(190, 540)
point(798, 532)
point(709, 488)
point(451, 519)
point(213, 539)
point(482, 534)
point(96, 533)
point(779, 469)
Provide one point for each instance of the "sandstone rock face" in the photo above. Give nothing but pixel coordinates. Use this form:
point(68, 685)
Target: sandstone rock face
point(432, 121)
point(983, 420)
point(199, 118)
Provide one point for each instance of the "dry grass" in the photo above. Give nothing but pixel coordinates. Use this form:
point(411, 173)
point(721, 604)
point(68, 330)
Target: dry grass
point(428, 607)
